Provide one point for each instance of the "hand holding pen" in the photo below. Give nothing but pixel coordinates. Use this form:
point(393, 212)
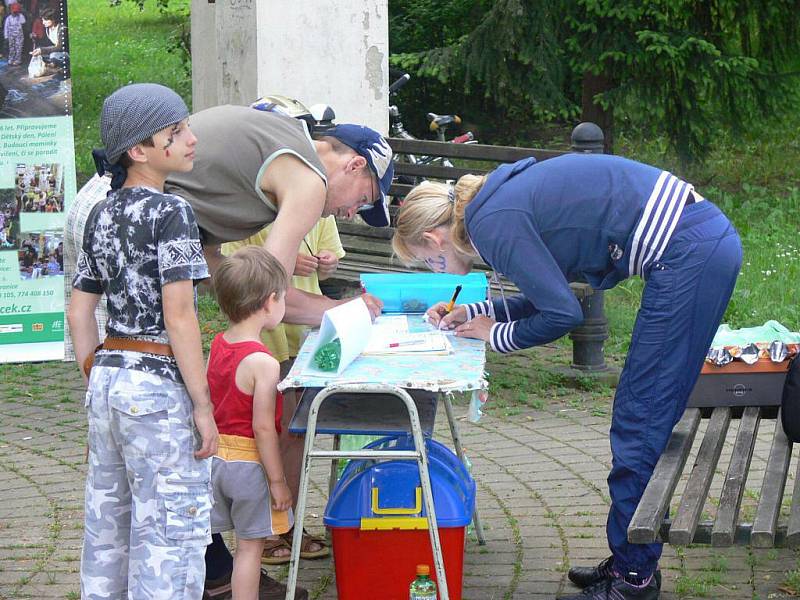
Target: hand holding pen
point(451, 304)
point(446, 315)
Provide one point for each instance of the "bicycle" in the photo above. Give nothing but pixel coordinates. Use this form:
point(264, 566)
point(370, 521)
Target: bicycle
point(438, 124)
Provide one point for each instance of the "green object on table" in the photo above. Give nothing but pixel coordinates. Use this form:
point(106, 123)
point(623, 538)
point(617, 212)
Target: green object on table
point(768, 332)
point(328, 355)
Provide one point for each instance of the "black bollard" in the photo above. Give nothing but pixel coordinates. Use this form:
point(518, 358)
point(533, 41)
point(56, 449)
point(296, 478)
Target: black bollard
point(588, 339)
point(587, 138)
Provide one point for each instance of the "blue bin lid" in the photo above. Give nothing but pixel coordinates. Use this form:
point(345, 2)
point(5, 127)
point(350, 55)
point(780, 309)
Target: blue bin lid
point(436, 451)
point(396, 483)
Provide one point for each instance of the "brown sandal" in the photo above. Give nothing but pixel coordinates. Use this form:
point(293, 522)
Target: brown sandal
point(268, 556)
point(307, 542)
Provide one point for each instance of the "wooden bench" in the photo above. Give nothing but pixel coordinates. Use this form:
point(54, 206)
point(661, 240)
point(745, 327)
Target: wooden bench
point(369, 249)
point(719, 400)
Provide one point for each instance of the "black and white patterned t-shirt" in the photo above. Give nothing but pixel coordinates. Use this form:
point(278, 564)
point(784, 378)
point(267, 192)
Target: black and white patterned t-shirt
point(135, 241)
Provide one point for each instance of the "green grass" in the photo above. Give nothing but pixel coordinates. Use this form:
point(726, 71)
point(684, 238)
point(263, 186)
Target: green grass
point(694, 586)
point(111, 47)
point(754, 180)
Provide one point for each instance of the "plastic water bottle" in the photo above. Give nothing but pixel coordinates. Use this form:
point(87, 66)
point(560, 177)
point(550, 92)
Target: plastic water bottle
point(423, 587)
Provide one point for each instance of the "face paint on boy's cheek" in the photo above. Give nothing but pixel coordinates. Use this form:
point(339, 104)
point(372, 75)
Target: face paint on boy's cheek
point(170, 141)
point(438, 264)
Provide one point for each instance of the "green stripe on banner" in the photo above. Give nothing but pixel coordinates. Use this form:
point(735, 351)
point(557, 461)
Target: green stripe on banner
point(23, 329)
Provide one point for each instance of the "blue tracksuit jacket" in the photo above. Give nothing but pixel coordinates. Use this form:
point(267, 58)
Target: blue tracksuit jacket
point(578, 217)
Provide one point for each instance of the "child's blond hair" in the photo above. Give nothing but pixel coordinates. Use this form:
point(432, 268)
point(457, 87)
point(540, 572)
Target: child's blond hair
point(246, 279)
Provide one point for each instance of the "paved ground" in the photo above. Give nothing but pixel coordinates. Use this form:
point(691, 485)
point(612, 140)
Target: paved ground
point(541, 492)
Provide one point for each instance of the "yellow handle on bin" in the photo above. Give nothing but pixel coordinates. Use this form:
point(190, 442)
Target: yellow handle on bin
point(389, 523)
point(397, 511)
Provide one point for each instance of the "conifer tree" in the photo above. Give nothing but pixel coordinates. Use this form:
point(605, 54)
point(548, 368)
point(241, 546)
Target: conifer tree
point(686, 69)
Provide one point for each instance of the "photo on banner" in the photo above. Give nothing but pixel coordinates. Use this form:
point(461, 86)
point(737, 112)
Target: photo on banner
point(37, 178)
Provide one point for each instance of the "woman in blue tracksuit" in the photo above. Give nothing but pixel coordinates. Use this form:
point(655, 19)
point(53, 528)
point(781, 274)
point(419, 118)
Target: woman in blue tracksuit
point(601, 219)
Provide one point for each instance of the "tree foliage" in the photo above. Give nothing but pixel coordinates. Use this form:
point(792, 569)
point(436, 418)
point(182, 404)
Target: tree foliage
point(684, 68)
point(499, 63)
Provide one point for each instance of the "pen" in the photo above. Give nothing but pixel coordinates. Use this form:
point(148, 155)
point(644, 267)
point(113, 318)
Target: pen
point(406, 343)
point(452, 302)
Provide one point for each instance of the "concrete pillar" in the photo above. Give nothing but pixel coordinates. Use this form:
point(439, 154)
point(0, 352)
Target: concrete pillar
point(331, 53)
point(204, 55)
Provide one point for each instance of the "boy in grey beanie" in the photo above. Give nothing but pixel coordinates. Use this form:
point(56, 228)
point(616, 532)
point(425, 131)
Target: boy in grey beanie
point(147, 500)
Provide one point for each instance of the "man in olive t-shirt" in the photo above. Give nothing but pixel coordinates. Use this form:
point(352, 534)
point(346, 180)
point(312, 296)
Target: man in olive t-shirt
point(253, 168)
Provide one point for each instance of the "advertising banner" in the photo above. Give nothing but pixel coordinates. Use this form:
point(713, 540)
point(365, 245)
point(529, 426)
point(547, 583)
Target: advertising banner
point(37, 178)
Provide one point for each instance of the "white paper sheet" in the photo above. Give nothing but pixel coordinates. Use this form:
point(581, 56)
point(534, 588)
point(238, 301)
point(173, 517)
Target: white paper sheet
point(386, 326)
point(433, 342)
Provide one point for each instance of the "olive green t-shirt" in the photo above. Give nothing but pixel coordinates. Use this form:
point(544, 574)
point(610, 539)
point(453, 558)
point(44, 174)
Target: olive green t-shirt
point(235, 145)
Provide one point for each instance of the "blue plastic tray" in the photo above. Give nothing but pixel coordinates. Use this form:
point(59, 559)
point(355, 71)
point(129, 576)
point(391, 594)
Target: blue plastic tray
point(416, 292)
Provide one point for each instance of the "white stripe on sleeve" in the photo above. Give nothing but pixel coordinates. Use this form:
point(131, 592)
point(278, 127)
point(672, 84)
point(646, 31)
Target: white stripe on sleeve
point(501, 337)
point(477, 308)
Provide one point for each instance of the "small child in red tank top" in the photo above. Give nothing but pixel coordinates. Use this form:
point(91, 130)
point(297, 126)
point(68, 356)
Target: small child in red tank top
point(250, 491)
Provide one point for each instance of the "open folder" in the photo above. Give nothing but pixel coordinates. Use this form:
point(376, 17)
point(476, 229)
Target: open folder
point(351, 323)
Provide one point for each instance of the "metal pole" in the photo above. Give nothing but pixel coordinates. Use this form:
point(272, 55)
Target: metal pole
point(589, 338)
point(456, 435)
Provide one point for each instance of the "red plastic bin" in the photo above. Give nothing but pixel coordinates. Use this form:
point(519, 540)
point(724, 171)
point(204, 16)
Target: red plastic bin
point(379, 528)
point(380, 565)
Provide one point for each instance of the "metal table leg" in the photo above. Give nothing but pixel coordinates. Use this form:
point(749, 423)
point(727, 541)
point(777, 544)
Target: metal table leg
point(448, 407)
point(337, 440)
point(419, 454)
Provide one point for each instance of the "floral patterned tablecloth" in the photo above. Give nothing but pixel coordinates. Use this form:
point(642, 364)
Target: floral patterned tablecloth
point(461, 371)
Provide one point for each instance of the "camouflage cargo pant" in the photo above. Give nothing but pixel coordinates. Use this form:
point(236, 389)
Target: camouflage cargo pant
point(148, 500)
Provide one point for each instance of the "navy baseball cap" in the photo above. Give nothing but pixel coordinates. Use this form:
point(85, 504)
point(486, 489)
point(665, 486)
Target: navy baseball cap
point(371, 145)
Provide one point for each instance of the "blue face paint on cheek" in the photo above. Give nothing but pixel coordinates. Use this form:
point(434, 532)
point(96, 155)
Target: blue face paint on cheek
point(438, 264)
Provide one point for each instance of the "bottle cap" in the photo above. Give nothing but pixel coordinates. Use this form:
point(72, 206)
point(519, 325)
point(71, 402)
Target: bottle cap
point(423, 570)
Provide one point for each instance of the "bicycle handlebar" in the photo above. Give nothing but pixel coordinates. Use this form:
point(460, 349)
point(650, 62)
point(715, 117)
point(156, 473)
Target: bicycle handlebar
point(393, 89)
point(437, 121)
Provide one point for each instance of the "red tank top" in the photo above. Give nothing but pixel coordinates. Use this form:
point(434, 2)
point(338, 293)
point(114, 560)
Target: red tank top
point(233, 409)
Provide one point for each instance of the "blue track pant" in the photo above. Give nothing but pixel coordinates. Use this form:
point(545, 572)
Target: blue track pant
point(684, 298)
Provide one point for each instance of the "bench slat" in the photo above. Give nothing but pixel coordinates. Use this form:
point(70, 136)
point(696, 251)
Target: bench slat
point(694, 497)
point(364, 230)
point(646, 521)
point(435, 171)
point(357, 244)
point(400, 189)
point(793, 529)
point(724, 530)
point(769, 505)
point(741, 538)
point(506, 154)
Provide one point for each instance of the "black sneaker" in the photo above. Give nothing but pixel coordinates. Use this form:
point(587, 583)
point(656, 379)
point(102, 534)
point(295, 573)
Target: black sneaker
point(586, 576)
point(616, 588)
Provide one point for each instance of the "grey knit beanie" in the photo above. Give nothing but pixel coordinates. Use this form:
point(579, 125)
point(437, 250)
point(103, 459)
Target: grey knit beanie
point(135, 112)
